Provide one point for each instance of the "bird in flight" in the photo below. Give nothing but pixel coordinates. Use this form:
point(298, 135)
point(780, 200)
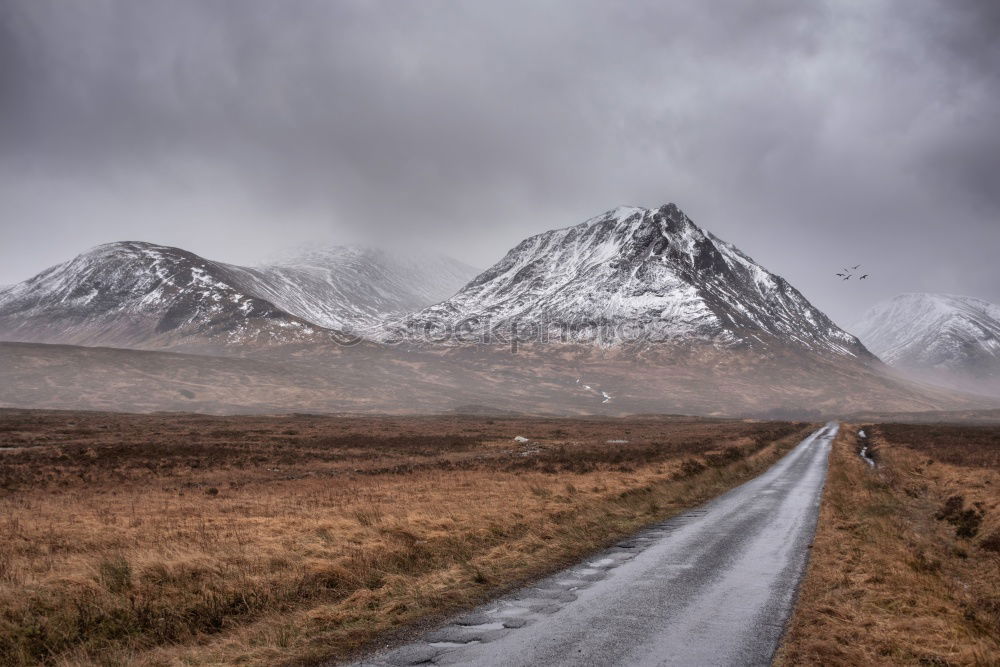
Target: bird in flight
point(848, 273)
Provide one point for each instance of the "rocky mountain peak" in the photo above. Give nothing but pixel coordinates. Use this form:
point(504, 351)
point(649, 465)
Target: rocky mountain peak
point(635, 268)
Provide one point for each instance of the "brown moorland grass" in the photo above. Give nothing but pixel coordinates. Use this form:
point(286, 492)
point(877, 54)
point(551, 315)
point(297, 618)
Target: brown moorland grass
point(905, 567)
point(185, 539)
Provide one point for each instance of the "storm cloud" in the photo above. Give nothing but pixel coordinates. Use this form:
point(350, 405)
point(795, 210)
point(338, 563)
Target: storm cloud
point(811, 135)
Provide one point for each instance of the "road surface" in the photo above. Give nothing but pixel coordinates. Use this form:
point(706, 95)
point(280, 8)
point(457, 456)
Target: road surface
point(713, 586)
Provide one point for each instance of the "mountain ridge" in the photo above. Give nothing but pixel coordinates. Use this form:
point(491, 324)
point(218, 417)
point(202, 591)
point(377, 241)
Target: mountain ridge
point(631, 276)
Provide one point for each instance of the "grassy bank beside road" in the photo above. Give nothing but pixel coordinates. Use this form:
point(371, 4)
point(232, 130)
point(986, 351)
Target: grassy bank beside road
point(905, 567)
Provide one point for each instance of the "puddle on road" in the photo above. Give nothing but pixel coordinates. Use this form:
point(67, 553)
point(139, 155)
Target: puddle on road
point(450, 644)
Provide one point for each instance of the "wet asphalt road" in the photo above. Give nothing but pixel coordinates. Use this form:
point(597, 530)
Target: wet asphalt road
point(713, 586)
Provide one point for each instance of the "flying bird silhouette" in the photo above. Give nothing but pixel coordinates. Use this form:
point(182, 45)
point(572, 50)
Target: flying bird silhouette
point(855, 267)
point(846, 278)
point(863, 277)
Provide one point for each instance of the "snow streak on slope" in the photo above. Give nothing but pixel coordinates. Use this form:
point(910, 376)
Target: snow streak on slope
point(644, 273)
point(935, 332)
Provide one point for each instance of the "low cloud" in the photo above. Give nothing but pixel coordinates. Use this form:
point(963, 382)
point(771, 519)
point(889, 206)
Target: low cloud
point(809, 134)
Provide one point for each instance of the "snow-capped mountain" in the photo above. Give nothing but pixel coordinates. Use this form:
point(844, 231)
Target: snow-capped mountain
point(354, 288)
point(134, 294)
point(935, 332)
point(636, 274)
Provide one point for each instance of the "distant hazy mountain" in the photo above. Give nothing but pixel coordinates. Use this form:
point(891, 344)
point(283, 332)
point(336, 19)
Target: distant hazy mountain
point(953, 338)
point(635, 268)
point(134, 294)
point(355, 288)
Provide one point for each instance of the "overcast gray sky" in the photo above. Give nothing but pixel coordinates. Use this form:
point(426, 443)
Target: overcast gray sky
point(810, 134)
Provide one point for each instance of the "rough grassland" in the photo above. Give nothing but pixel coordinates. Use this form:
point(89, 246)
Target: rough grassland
point(184, 539)
point(905, 568)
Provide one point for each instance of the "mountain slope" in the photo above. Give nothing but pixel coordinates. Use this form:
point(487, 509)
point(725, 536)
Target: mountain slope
point(936, 334)
point(667, 379)
point(635, 273)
